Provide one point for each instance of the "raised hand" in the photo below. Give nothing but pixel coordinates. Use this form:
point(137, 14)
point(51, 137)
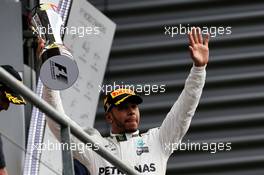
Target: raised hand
point(41, 45)
point(198, 47)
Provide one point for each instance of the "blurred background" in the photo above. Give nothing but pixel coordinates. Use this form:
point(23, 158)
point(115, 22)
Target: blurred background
point(232, 105)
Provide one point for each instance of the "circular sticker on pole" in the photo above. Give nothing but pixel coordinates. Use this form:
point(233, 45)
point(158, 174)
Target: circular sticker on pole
point(59, 72)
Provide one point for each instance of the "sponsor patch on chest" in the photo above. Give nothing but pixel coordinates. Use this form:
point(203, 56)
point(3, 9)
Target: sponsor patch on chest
point(141, 147)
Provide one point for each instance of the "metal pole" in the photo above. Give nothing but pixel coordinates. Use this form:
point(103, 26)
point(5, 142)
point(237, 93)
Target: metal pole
point(67, 160)
point(63, 120)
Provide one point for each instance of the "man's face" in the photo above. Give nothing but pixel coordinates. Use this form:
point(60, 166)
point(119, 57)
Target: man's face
point(124, 118)
point(4, 103)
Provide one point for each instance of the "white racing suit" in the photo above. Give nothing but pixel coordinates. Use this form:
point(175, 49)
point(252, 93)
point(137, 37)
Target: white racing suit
point(148, 153)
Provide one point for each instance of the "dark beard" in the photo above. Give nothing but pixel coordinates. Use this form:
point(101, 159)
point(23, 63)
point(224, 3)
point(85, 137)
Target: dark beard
point(130, 130)
point(118, 123)
point(121, 125)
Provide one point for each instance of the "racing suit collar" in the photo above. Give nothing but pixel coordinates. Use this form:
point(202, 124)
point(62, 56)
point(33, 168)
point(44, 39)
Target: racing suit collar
point(124, 136)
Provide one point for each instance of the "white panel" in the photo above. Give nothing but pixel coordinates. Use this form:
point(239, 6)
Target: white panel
point(91, 53)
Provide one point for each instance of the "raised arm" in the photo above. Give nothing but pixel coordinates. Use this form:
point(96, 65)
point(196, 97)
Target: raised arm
point(178, 120)
point(54, 99)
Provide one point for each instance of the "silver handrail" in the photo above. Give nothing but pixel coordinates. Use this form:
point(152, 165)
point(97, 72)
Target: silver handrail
point(63, 120)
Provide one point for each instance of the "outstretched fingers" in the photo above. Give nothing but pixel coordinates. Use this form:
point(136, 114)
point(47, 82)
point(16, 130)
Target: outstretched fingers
point(195, 37)
point(206, 40)
point(199, 35)
point(191, 40)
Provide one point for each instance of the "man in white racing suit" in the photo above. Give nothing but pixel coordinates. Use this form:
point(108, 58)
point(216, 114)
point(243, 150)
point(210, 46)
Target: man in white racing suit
point(148, 153)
